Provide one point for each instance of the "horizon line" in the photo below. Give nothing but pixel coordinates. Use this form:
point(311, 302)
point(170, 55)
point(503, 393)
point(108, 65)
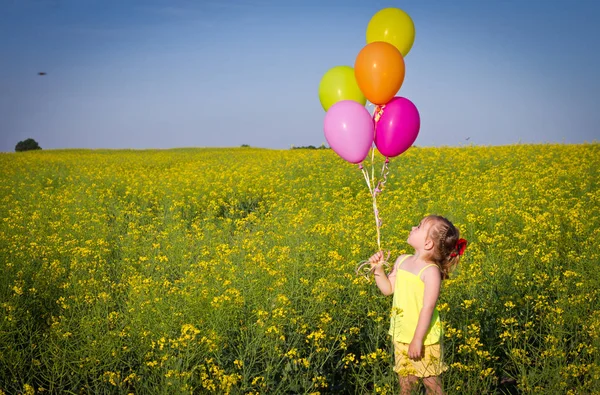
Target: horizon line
point(294, 147)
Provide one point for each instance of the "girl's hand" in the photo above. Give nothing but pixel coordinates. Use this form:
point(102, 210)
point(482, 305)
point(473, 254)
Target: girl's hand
point(376, 258)
point(415, 350)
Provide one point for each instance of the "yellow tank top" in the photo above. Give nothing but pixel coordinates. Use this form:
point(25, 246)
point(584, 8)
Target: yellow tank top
point(407, 304)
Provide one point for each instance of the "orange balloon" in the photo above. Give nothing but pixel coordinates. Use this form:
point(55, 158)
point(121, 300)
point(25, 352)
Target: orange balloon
point(379, 71)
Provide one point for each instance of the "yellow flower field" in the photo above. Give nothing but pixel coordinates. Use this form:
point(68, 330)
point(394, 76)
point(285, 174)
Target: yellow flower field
point(233, 270)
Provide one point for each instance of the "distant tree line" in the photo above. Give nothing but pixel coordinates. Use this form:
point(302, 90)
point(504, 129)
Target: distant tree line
point(322, 146)
point(27, 145)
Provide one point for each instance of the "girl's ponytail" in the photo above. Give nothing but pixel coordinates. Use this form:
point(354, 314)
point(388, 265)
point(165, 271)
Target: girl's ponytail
point(448, 246)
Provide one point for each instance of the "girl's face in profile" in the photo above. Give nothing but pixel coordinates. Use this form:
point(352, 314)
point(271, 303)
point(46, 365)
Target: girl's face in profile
point(419, 234)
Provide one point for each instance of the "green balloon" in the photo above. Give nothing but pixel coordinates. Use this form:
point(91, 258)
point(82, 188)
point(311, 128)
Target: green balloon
point(339, 83)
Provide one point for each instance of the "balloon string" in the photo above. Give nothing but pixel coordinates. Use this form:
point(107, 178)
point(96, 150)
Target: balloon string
point(377, 222)
point(369, 180)
point(364, 265)
point(374, 193)
point(366, 268)
point(375, 189)
point(384, 173)
point(366, 175)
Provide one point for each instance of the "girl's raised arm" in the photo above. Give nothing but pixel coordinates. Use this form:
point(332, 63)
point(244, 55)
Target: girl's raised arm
point(385, 283)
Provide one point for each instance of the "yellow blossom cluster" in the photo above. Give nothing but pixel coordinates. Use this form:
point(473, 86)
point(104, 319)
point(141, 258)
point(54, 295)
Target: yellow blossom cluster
point(232, 271)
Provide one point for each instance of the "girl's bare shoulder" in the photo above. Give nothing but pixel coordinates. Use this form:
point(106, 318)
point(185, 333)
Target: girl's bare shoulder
point(402, 260)
point(430, 274)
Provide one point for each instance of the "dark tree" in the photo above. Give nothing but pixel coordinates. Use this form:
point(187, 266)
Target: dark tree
point(27, 145)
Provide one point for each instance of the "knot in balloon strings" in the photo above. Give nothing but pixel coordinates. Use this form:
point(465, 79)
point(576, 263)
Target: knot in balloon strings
point(378, 112)
point(376, 116)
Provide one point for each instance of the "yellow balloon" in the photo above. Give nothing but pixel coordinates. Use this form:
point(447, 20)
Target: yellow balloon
point(339, 83)
point(394, 26)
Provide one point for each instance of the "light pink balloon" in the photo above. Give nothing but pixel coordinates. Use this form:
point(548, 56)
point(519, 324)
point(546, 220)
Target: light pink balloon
point(398, 127)
point(349, 130)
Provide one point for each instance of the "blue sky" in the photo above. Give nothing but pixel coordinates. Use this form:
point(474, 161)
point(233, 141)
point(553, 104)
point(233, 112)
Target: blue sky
point(163, 74)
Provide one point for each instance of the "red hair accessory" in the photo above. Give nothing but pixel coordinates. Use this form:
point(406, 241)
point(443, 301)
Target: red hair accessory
point(461, 244)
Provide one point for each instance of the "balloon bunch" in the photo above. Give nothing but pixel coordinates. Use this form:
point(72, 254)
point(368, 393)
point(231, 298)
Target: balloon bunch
point(378, 73)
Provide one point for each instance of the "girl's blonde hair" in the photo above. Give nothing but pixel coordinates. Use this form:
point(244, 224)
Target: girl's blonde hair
point(445, 237)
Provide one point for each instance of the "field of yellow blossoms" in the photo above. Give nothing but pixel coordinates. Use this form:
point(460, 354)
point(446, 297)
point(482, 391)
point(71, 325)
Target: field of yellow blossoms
point(232, 271)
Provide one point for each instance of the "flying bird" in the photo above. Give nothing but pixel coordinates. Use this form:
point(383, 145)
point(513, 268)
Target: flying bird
point(41, 73)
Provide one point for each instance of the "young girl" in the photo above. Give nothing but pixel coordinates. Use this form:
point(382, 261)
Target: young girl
point(415, 283)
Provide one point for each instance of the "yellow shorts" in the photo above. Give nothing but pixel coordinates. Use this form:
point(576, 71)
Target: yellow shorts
point(430, 365)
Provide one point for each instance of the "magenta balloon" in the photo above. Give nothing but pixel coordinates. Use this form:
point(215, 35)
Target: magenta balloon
point(398, 127)
point(349, 130)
